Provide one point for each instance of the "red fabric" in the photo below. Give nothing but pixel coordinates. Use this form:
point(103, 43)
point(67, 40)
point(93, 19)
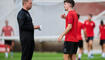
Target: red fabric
point(72, 18)
point(80, 27)
point(89, 26)
point(102, 32)
point(7, 30)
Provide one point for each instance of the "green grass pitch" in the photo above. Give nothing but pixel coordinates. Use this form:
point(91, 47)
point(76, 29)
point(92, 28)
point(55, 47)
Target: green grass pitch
point(46, 56)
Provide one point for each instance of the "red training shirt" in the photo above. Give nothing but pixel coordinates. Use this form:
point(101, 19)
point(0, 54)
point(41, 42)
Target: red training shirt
point(89, 26)
point(72, 18)
point(7, 30)
point(102, 32)
point(80, 27)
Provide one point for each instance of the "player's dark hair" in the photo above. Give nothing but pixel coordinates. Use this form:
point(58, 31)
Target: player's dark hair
point(102, 23)
point(72, 2)
point(90, 15)
point(78, 16)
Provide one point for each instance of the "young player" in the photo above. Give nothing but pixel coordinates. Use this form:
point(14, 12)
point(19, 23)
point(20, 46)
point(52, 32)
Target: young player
point(102, 37)
point(8, 31)
point(80, 44)
point(70, 33)
point(89, 26)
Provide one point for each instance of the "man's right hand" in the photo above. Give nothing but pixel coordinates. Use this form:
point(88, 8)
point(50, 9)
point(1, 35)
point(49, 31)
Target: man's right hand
point(63, 16)
point(37, 27)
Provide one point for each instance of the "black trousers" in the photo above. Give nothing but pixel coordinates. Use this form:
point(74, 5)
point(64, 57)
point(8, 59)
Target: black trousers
point(27, 49)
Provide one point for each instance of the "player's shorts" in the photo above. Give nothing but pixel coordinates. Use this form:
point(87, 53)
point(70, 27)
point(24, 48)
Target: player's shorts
point(89, 38)
point(80, 44)
point(8, 42)
point(70, 47)
point(102, 42)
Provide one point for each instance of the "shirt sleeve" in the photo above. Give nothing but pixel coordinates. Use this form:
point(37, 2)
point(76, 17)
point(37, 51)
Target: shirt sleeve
point(70, 18)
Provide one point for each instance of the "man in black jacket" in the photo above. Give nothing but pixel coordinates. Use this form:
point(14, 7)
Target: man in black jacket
point(26, 30)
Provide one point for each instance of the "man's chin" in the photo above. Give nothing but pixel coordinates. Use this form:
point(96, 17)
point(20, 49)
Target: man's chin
point(29, 8)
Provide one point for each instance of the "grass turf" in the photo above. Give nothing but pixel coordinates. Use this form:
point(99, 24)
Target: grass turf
point(46, 56)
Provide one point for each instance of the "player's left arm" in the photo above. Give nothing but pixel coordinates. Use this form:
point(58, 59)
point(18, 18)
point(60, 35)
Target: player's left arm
point(12, 31)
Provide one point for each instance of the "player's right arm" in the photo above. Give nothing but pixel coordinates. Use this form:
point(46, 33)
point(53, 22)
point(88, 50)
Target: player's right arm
point(63, 16)
point(69, 27)
point(85, 35)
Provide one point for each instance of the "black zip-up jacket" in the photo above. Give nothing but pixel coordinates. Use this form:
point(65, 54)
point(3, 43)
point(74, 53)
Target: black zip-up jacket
point(26, 28)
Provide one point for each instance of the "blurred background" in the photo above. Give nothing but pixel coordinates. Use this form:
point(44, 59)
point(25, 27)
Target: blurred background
point(47, 14)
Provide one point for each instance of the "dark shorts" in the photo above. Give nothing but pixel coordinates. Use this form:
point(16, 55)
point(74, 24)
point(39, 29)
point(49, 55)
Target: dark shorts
point(70, 47)
point(8, 42)
point(89, 38)
point(102, 42)
point(80, 44)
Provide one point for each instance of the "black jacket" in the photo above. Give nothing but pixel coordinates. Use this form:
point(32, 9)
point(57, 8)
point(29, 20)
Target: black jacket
point(26, 28)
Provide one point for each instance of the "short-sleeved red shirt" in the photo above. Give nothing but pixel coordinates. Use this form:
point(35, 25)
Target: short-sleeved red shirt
point(72, 18)
point(80, 27)
point(102, 32)
point(89, 26)
point(7, 30)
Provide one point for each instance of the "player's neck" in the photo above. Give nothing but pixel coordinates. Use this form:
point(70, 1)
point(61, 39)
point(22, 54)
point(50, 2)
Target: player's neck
point(90, 20)
point(6, 25)
point(70, 9)
point(102, 24)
